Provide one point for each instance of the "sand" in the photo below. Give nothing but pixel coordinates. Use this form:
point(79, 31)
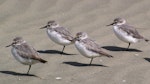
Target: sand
point(25, 17)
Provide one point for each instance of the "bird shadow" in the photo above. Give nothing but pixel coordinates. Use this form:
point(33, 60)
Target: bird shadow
point(115, 48)
point(82, 64)
point(17, 74)
point(147, 59)
point(54, 52)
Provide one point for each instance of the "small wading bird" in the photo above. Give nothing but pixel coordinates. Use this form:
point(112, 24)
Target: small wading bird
point(25, 53)
point(58, 34)
point(126, 32)
point(88, 47)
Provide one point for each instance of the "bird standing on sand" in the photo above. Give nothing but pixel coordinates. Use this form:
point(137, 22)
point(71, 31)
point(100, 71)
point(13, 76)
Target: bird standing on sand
point(25, 53)
point(88, 47)
point(126, 32)
point(58, 34)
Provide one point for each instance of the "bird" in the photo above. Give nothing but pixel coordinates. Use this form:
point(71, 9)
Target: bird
point(58, 34)
point(25, 53)
point(125, 32)
point(88, 48)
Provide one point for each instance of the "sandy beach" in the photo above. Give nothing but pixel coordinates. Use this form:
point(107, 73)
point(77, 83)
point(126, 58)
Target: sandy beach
point(25, 17)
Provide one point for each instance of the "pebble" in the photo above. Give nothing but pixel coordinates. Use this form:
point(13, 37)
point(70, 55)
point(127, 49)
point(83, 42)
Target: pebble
point(58, 78)
point(123, 80)
point(136, 54)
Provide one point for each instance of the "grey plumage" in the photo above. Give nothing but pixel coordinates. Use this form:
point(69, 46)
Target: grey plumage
point(88, 47)
point(63, 32)
point(24, 53)
point(126, 32)
point(94, 47)
point(58, 34)
point(132, 31)
point(28, 52)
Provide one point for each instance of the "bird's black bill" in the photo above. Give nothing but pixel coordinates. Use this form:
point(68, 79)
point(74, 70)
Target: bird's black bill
point(9, 45)
point(111, 24)
point(43, 27)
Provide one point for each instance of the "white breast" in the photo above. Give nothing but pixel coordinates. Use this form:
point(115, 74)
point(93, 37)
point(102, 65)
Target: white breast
point(22, 60)
point(54, 36)
point(82, 49)
point(122, 35)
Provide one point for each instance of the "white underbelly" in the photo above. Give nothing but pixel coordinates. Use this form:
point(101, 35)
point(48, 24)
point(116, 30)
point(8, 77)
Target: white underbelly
point(124, 36)
point(22, 60)
point(54, 36)
point(82, 49)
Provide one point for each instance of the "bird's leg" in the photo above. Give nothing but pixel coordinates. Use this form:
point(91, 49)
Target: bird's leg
point(91, 61)
point(29, 69)
point(128, 47)
point(62, 50)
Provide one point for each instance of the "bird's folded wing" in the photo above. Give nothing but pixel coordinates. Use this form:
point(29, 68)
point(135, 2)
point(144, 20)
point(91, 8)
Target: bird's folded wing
point(92, 46)
point(64, 32)
point(27, 51)
point(131, 31)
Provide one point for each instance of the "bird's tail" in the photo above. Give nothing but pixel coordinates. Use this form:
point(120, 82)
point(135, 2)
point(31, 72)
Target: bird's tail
point(107, 55)
point(42, 61)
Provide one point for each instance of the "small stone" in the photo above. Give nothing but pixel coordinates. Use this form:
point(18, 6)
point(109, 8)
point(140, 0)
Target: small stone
point(123, 80)
point(136, 54)
point(58, 78)
point(19, 79)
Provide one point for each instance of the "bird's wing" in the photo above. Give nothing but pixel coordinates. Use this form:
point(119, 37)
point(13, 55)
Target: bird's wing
point(131, 31)
point(64, 32)
point(93, 46)
point(27, 51)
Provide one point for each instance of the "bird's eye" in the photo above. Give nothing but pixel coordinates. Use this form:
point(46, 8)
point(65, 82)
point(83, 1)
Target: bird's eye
point(120, 21)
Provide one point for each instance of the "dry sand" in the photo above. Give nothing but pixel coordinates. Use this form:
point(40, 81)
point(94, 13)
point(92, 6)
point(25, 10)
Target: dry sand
point(25, 17)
